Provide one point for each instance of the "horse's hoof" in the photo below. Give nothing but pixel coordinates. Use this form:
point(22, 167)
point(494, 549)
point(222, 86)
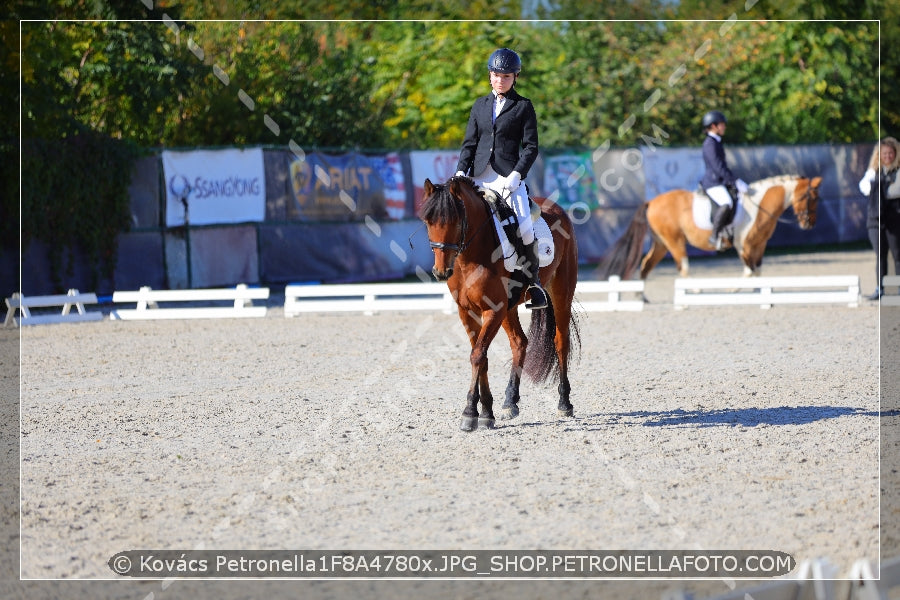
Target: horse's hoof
point(566, 412)
point(509, 412)
point(485, 423)
point(468, 424)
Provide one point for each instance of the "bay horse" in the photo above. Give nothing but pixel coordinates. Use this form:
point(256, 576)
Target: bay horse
point(468, 256)
point(671, 220)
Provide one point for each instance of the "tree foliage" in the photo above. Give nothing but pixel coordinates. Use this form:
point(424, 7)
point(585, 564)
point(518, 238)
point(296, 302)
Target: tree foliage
point(270, 74)
point(409, 84)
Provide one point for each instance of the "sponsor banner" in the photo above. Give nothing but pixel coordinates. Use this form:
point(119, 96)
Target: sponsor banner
point(671, 169)
point(389, 169)
point(214, 186)
point(345, 187)
point(438, 166)
point(569, 180)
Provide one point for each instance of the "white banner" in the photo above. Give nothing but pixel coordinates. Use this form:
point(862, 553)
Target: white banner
point(436, 165)
point(671, 169)
point(219, 186)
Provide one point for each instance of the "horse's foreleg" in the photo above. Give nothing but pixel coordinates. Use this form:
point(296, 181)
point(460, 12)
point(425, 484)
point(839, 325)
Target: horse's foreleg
point(518, 344)
point(481, 332)
point(752, 259)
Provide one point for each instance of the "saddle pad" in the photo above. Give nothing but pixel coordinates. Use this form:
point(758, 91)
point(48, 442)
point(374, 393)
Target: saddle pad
point(546, 250)
point(702, 210)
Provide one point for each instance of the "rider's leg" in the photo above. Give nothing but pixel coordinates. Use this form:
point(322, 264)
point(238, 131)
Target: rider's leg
point(520, 205)
point(720, 219)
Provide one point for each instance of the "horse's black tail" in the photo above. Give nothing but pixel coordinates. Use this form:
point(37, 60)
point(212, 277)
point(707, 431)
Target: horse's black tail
point(541, 360)
point(625, 255)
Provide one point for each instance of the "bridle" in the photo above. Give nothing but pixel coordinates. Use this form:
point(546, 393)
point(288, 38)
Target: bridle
point(803, 215)
point(463, 243)
point(457, 247)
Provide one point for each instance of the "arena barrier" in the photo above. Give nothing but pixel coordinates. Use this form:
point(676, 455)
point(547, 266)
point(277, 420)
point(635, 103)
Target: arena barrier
point(890, 299)
point(382, 297)
point(147, 301)
point(613, 288)
point(367, 298)
point(71, 299)
point(767, 291)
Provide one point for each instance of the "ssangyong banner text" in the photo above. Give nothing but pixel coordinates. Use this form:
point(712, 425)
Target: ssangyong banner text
point(214, 186)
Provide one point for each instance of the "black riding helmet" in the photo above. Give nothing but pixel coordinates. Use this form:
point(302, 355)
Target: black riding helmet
point(713, 117)
point(504, 60)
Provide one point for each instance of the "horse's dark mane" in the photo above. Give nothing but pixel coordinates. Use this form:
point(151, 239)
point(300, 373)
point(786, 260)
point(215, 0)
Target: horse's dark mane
point(442, 207)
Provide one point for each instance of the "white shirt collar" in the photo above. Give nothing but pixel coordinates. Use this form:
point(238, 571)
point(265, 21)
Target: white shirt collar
point(718, 138)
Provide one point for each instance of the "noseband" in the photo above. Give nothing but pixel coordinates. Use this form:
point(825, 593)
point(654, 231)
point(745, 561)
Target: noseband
point(458, 247)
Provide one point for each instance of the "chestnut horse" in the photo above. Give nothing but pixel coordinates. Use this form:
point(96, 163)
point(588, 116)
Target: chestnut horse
point(671, 220)
point(467, 256)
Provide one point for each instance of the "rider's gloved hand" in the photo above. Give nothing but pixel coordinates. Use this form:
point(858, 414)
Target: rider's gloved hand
point(513, 181)
point(741, 185)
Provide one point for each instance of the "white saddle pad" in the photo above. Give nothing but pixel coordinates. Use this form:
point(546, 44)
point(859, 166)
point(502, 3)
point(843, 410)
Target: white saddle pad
point(702, 210)
point(545, 252)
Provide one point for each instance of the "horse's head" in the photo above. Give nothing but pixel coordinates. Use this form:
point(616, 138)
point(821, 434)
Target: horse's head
point(444, 214)
point(805, 201)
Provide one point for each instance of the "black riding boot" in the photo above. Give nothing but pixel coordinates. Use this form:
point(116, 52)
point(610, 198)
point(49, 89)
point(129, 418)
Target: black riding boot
point(720, 222)
point(532, 266)
point(878, 293)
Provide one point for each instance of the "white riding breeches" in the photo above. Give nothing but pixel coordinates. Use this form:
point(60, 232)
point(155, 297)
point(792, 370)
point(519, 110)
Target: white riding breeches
point(518, 200)
point(720, 195)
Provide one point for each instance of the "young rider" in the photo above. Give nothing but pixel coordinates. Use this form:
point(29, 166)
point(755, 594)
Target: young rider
point(500, 146)
point(720, 184)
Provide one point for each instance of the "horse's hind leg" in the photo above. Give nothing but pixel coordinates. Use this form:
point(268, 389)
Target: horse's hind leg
point(563, 342)
point(562, 315)
point(518, 343)
point(654, 255)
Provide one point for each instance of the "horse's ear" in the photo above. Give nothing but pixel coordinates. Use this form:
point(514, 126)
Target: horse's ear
point(815, 182)
point(429, 187)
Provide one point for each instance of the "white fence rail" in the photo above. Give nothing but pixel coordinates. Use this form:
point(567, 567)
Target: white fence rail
point(367, 298)
point(890, 299)
point(767, 291)
point(72, 299)
point(383, 297)
point(613, 288)
point(148, 301)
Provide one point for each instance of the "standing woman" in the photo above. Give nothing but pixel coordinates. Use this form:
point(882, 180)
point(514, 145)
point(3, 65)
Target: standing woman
point(884, 202)
point(500, 145)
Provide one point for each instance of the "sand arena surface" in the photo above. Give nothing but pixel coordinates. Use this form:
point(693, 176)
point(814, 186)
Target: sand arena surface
point(735, 428)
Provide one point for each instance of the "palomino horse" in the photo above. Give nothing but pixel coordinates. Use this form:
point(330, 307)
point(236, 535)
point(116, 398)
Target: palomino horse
point(467, 256)
point(671, 220)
